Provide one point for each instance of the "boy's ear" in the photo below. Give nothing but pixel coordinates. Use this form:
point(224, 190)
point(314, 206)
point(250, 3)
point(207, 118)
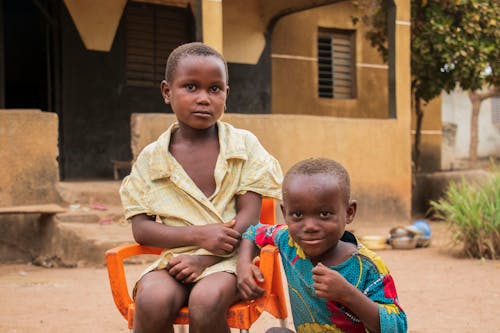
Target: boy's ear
point(351, 211)
point(165, 91)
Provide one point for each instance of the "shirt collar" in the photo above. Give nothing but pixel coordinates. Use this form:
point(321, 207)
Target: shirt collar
point(232, 146)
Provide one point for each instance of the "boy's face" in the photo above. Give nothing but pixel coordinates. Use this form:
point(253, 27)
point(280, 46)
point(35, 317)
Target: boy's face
point(198, 91)
point(316, 213)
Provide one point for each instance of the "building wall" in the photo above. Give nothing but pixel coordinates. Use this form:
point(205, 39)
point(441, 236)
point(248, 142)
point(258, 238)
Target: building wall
point(379, 169)
point(28, 157)
point(431, 136)
point(456, 109)
point(295, 73)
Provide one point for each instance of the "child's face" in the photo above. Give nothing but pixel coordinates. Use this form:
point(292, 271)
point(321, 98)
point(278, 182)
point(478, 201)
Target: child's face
point(316, 213)
point(197, 91)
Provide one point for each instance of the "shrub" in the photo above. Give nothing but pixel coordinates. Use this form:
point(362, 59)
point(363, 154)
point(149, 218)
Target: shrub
point(472, 211)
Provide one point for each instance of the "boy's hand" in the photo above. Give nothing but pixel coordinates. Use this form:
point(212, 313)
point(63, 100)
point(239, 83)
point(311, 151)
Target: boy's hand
point(329, 284)
point(185, 268)
point(247, 276)
point(220, 239)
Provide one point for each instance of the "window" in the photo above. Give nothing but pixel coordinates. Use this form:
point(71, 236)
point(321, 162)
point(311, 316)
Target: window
point(336, 70)
point(153, 31)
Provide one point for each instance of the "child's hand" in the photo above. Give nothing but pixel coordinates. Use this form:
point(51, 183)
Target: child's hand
point(185, 268)
point(219, 238)
point(248, 276)
point(329, 284)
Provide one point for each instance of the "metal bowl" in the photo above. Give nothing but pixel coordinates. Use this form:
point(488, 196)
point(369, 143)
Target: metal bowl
point(404, 243)
point(374, 242)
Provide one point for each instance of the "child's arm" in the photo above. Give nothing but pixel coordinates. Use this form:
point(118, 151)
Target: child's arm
point(217, 238)
point(332, 286)
point(248, 207)
point(247, 272)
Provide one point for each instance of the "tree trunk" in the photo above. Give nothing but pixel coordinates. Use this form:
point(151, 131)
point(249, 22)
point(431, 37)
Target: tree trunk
point(476, 98)
point(474, 120)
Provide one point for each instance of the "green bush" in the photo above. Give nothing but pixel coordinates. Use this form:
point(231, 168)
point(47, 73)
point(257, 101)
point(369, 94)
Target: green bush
point(473, 213)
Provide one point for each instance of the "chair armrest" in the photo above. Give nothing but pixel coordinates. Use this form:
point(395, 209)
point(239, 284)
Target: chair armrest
point(116, 272)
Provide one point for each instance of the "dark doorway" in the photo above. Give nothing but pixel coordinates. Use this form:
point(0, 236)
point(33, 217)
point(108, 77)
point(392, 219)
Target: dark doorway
point(26, 47)
point(100, 90)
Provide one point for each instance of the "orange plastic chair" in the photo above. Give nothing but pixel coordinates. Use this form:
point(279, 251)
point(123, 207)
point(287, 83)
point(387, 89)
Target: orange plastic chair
point(240, 315)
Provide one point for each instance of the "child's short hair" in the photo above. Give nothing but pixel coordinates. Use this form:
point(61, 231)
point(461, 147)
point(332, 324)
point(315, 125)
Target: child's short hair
point(314, 166)
point(195, 49)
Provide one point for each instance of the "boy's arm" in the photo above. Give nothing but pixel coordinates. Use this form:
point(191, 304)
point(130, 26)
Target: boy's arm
point(219, 239)
point(248, 207)
point(330, 285)
point(247, 272)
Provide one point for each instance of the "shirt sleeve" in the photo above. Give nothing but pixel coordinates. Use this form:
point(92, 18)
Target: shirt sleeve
point(261, 172)
point(134, 186)
point(264, 234)
point(382, 290)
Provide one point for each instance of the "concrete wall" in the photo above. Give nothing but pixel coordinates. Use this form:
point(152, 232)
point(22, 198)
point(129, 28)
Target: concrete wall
point(295, 67)
point(431, 136)
point(456, 109)
point(28, 157)
point(379, 168)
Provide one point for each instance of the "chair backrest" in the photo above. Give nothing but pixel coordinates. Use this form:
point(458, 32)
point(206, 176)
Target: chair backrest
point(268, 211)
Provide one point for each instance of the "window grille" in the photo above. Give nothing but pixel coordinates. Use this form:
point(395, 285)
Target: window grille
point(153, 31)
point(336, 70)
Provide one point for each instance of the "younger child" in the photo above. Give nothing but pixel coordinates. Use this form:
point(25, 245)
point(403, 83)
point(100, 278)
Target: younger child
point(335, 283)
point(204, 180)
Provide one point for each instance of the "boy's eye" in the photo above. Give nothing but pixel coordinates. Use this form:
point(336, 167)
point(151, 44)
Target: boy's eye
point(296, 215)
point(325, 214)
point(190, 86)
point(214, 89)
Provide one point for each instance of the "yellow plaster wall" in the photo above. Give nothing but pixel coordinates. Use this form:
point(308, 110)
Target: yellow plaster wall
point(211, 12)
point(243, 31)
point(379, 169)
point(28, 157)
point(431, 136)
point(295, 73)
point(96, 21)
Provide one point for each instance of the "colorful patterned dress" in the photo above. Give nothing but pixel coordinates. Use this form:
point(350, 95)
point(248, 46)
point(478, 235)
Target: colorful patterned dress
point(364, 269)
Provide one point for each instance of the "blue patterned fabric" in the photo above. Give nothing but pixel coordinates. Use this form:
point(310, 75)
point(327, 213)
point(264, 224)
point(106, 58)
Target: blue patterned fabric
point(364, 269)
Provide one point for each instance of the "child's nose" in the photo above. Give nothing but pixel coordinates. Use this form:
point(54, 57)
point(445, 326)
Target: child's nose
point(202, 97)
point(310, 225)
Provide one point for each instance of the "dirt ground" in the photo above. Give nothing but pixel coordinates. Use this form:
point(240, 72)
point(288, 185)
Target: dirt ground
point(439, 292)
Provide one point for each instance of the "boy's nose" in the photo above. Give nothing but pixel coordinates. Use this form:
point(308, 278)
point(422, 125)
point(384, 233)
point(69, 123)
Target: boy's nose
point(202, 97)
point(310, 225)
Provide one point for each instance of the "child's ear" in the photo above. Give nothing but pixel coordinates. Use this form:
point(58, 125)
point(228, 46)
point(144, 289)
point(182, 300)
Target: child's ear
point(165, 91)
point(282, 209)
point(351, 211)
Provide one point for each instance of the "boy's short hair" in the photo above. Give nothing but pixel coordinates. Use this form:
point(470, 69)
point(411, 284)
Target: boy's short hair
point(194, 49)
point(314, 166)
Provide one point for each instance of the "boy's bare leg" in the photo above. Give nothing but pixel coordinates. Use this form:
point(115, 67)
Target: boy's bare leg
point(208, 303)
point(157, 302)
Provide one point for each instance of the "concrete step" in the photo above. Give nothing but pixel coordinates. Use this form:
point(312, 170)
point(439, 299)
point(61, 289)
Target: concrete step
point(84, 244)
point(90, 192)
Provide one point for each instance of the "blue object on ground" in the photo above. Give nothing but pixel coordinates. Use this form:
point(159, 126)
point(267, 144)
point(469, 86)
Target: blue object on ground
point(423, 226)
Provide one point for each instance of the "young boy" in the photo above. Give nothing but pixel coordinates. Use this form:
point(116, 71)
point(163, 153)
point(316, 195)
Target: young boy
point(335, 283)
point(204, 180)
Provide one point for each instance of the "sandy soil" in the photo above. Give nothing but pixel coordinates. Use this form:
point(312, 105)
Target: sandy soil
point(439, 292)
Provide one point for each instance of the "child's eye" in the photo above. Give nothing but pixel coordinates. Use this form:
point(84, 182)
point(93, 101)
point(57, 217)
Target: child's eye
point(214, 89)
point(297, 215)
point(190, 86)
point(325, 214)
